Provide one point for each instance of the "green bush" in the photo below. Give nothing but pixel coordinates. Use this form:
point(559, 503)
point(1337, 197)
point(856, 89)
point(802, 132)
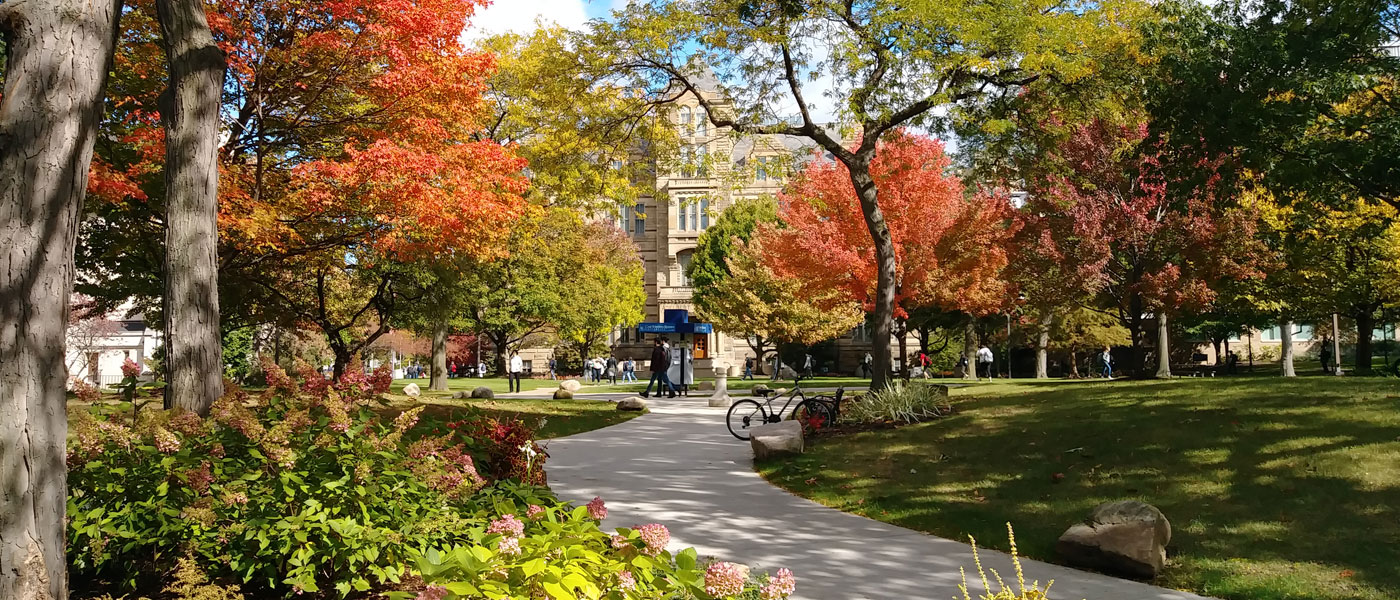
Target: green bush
point(298, 489)
point(900, 403)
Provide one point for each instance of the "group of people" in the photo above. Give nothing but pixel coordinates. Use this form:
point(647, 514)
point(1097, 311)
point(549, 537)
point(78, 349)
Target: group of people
point(608, 368)
point(454, 370)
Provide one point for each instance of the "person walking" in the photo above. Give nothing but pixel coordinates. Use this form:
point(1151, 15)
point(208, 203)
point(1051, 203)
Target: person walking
point(924, 363)
point(553, 364)
point(1107, 358)
point(660, 362)
point(629, 370)
point(481, 369)
point(807, 366)
point(611, 369)
point(517, 366)
point(748, 368)
point(867, 363)
point(984, 361)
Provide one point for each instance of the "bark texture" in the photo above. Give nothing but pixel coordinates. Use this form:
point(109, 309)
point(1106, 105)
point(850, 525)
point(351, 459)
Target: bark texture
point(886, 275)
point(970, 348)
point(190, 114)
point(1286, 348)
point(1042, 347)
point(58, 54)
point(1164, 355)
point(438, 378)
point(1365, 324)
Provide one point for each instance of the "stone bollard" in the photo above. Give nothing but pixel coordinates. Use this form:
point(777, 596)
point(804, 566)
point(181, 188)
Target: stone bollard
point(721, 395)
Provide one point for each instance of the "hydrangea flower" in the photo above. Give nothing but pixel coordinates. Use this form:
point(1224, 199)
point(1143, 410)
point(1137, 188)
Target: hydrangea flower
point(130, 368)
point(725, 579)
point(165, 441)
point(535, 511)
point(619, 542)
point(432, 592)
point(779, 586)
point(655, 536)
point(596, 509)
point(625, 580)
point(507, 525)
point(509, 546)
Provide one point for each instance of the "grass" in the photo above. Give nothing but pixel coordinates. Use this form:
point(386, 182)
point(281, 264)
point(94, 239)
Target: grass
point(559, 417)
point(1276, 489)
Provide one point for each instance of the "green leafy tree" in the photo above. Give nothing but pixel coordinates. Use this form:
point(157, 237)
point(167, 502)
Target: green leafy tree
point(709, 268)
point(898, 61)
point(1085, 331)
point(607, 293)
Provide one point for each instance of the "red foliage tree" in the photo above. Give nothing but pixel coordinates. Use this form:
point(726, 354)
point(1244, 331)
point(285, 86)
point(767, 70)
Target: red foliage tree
point(950, 246)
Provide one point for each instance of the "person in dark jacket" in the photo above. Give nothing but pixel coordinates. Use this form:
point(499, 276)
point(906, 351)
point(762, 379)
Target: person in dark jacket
point(660, 362)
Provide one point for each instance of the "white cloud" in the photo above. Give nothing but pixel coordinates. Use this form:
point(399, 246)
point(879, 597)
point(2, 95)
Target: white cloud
point(522, 16)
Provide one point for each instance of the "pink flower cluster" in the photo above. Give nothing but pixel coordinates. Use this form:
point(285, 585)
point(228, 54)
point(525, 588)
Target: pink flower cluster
point(509, 546)
point(165, 441)
point(432, 592)
point(535, 511)
point(725, 579)
point(619, 542)
point(779, 586)
point(187, 423)
point(655, 536)
point(507, 525)
point(200, 478)
point(625, 580)
point(235, 499)
point(596, 509)
point(130, 368)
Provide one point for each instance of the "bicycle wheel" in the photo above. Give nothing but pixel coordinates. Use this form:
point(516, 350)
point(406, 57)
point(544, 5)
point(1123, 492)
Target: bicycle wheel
point(813, 415)
point(743, 416)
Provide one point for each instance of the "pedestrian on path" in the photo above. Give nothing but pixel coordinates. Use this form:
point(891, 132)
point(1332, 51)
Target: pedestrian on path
point(517, 366)
point(748, 368)
point(660, 362)
point(552, 365)
point(629, 370)
point(867, 363)
point(481, 369)
point(611, 369)
point(1107, 358)
point(984, 361)
point(807, 367)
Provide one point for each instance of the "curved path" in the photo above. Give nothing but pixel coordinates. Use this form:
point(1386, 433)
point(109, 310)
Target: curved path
point(679, 466)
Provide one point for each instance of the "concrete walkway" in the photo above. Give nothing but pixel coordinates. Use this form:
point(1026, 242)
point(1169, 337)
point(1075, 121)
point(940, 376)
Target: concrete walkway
point(680, 467)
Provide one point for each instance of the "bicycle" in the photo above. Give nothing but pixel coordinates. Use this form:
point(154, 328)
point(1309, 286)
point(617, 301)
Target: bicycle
point(816, 411)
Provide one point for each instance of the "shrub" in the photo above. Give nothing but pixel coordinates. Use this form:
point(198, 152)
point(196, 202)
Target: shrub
point(1034, 592)
point(508, 446)
point(526, 557)
point(900, 403)
point(297, 489)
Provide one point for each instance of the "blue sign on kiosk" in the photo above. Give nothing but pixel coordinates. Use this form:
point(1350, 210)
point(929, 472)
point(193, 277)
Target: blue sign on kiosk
point(677, 321)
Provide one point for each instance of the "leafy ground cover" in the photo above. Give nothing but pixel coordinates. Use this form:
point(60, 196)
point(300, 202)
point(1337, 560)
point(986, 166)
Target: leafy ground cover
point(1275, 488)
point(549, 418)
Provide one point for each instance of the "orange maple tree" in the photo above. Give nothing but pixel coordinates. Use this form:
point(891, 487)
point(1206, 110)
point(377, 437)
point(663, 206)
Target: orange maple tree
point(950, 246)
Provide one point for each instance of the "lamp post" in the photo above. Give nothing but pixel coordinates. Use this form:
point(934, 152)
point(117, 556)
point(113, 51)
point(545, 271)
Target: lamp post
point(1336, 348)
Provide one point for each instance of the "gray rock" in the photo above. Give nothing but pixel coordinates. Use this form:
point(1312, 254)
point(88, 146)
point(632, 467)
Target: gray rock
point(483, 392)
point(570, 385)
point(760, 389)
point(411, 390)
point(633, 403)
point(1127, 537)
point(776, 439)
point(787, 373)
point(462, 395)
point(563, 395)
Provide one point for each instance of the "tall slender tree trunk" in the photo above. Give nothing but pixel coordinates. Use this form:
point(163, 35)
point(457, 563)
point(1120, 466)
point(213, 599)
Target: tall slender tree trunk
point(886, 274)
point(1042, 346)
point(1219, 358)
point(970, 348)
point(1073, 364)
point(57, 56)
point(500, 342)
point(903, 349)
point(1164, 356)
point(189, 110)
point(1365, 323)
point(1336, 347)
point(438, 378)
point(1286, 349)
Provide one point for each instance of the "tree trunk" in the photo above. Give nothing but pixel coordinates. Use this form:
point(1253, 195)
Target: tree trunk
point(970, 348)
point(1073, 364)
point(903, 349)
point(58, 53)
point(342, 360)
point(1219, 358)
point(1138, 356)
point(1286, 349)
point(886, 274)
point(189, 110)
point(1365, 322)
point(1164, 357)
point(757, 347)
point(501, 342)
point(1042, 346)
point(438, 378)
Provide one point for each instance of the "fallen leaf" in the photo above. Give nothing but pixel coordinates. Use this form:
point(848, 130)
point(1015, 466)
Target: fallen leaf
point(1347, 573)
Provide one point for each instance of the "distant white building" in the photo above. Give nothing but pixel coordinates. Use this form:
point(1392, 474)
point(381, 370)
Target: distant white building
point(97, 346)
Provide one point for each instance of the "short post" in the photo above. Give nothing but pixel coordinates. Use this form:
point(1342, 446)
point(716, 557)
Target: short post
point(721, 395)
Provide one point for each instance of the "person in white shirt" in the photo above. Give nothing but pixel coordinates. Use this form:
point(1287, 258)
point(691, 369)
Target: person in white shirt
point(517, 366)
point(481, 369)
point(984, 360)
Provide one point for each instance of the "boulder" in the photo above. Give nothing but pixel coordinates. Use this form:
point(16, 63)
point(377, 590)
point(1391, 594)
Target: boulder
point(1127, 537)
point(705, 386)
point(570, 385)
point(775, 439)
point(787, 373)
point(411, 390)
point(633, 403)
point(760, 389)
point(563, 395)
point(462, 395)
point(483, 392)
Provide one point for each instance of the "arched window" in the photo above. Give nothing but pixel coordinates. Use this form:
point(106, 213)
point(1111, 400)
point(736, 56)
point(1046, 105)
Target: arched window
point(685, 120)
point(687, 161)
point(702, 123)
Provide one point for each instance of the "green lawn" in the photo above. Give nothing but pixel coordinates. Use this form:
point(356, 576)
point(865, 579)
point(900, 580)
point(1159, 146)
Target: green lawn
point(1275, 488)
point(559, 417)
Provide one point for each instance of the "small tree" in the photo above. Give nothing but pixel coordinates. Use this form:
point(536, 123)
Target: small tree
point(709, 268)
